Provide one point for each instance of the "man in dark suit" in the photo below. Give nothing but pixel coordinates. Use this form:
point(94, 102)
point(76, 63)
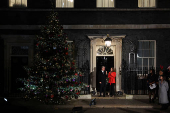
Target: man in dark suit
point(102, 80)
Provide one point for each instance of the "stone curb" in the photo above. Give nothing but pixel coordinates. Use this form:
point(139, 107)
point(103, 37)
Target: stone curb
point(104, 106)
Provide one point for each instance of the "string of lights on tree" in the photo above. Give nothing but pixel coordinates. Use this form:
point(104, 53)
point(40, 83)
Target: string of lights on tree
point(53, 75)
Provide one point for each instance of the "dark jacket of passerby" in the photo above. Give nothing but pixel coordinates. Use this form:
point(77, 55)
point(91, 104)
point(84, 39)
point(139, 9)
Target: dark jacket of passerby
point(151, 79)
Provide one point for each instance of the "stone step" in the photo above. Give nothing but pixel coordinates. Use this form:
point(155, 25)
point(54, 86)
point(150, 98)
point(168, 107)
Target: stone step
point(108, 97)
point(137, 97)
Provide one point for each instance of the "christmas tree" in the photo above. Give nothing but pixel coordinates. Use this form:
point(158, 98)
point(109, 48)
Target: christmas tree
point(53, 76)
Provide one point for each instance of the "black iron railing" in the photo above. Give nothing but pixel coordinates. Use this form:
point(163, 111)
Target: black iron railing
point(134, 80)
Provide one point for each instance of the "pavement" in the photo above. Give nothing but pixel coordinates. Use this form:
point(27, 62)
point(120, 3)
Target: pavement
point(110, 103)
point(102, 105)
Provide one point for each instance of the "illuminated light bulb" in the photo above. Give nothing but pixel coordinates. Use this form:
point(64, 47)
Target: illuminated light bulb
point(108, 43)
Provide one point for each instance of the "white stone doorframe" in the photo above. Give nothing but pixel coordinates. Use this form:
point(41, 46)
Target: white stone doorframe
point(117, 52)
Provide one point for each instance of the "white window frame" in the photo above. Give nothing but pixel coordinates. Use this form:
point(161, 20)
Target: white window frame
point(148, 6)
point(148, 57)
point(105, 7)
point(12, 5)
point(61, 5)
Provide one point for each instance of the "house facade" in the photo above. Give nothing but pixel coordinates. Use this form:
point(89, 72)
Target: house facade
point(139, 30)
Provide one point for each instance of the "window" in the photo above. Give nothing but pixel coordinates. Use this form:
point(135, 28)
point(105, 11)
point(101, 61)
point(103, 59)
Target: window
point(146, 56)
point(64, 3)
point(105, 3)
point(146, 3)
point(17, 3)
point(19, 50)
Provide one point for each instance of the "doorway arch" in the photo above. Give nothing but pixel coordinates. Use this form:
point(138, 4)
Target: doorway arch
point(98, 40)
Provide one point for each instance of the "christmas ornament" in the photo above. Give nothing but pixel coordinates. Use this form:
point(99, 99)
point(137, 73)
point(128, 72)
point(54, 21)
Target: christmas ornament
point(45, 68)
point(52, 95)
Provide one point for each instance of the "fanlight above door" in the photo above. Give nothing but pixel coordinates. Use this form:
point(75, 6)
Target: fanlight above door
point(104, 50)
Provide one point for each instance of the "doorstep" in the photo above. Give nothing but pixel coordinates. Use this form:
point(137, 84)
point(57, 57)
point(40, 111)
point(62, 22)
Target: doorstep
point(108, 97)
point(137, 97)
point(121, 97)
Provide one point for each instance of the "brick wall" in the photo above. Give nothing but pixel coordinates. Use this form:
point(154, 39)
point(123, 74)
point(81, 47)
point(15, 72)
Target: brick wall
point(161, 36)
point(86, 17)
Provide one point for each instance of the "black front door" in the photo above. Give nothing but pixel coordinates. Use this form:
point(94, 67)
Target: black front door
point(17, 71)
point(108, 62)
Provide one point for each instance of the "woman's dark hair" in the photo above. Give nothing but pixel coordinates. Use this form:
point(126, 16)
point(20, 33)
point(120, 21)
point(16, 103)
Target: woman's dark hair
point(114, 70)
point(163, 76)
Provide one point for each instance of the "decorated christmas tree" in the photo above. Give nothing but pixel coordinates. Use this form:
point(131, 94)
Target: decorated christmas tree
point(53, 76)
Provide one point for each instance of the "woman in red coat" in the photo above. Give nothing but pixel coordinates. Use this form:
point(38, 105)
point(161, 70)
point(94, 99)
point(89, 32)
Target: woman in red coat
point(112, 76)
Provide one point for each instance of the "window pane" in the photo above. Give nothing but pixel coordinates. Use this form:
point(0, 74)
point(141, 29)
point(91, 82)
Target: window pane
point(145, 62)
point(140, 3)
point(65, 3)
point(99, 3)
point(19, 50)
point(146, 53)
point(70, 3)
point(105, 3)
point(152, 45)
point(152, 3)
point(111, 3)
point(146, 3)
point(24, 3)
point(151, 62)
point(58, 3)
point(145, 45)
point(152, 53)
point(139, 61)
point(140, 44)
point(11, 2)
point(17, 3)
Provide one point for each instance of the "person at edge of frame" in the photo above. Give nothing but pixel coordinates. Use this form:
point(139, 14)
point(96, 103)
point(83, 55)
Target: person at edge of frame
point(163, 89)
